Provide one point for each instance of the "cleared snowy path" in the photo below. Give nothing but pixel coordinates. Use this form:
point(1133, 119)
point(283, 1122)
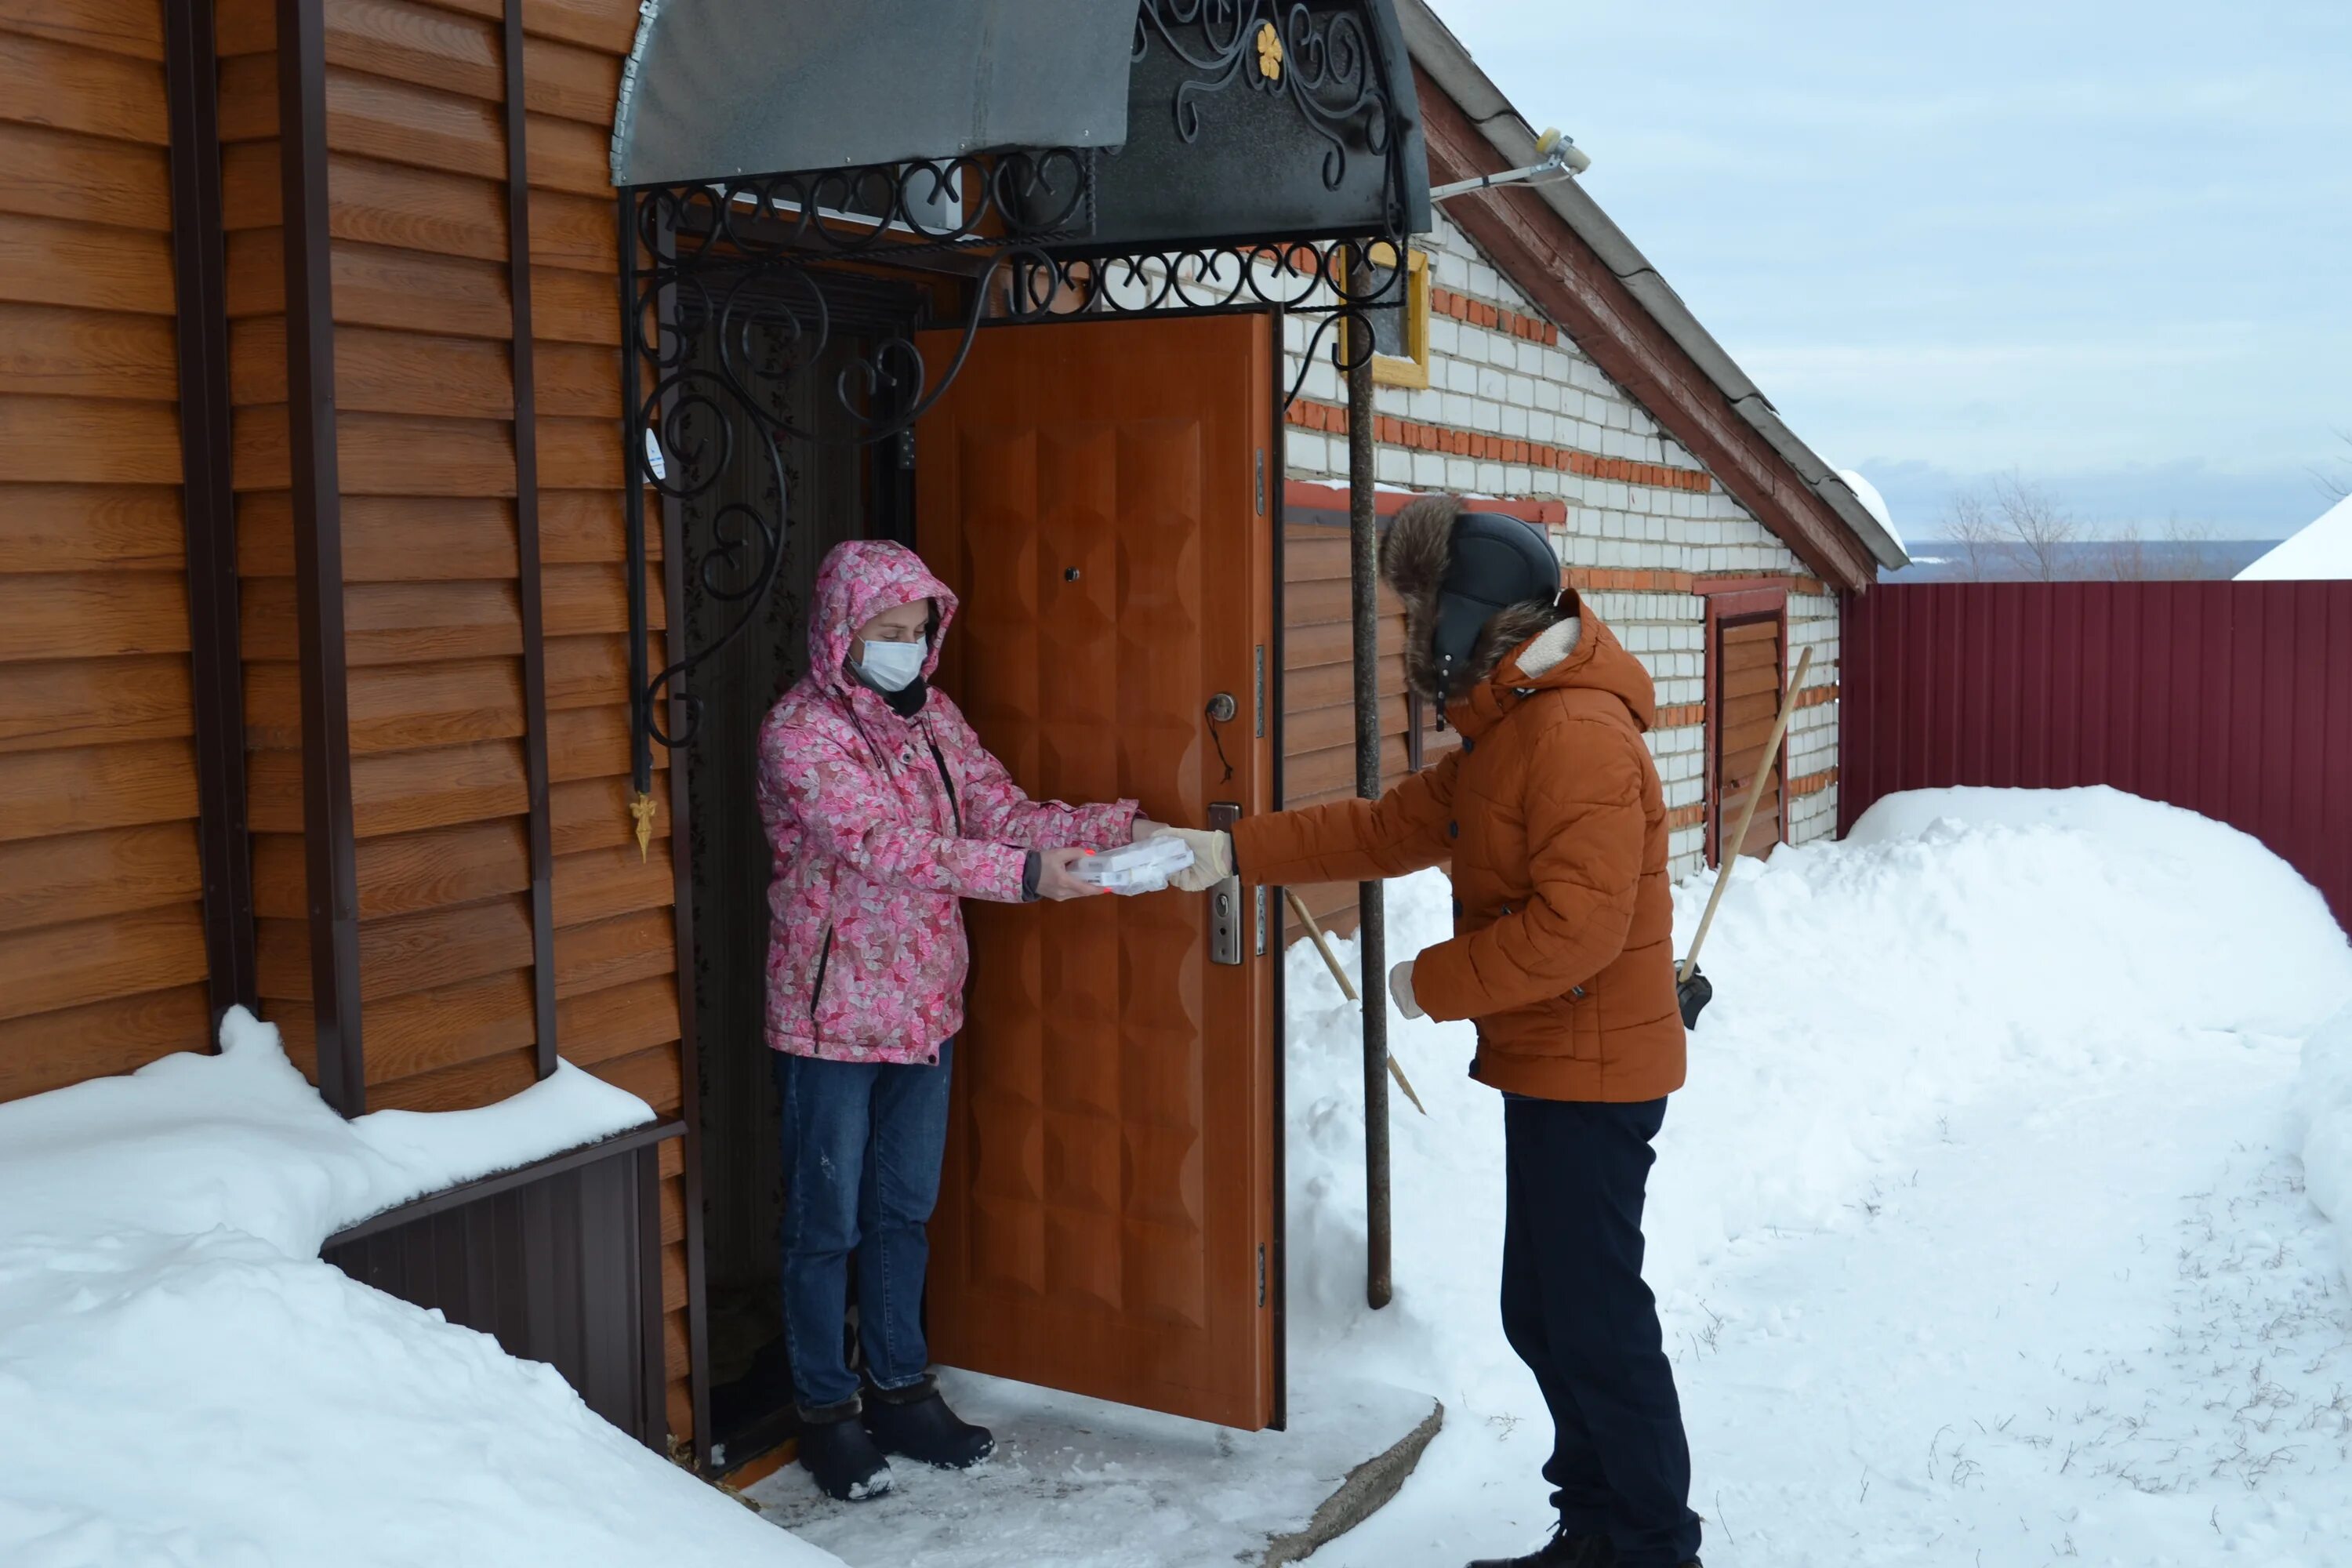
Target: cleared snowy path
point(2102, 1326)
point(1978, 1232)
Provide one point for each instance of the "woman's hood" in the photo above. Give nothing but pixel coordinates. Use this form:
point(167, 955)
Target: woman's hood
point(858, 581)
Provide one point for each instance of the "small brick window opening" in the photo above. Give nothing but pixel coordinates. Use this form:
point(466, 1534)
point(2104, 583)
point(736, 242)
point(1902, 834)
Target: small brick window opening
point(1400, 330)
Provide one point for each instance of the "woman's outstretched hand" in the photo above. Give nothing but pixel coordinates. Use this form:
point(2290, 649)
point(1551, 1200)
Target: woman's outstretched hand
point(1057, 877)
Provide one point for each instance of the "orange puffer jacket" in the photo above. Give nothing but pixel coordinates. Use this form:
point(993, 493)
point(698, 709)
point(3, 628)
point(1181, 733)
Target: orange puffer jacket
point(1553, 818)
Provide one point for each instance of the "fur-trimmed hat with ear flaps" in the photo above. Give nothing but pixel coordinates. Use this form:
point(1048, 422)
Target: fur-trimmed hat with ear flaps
point(1416, 554)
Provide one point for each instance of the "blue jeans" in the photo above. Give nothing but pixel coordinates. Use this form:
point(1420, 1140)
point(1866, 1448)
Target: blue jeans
point(862, 1144)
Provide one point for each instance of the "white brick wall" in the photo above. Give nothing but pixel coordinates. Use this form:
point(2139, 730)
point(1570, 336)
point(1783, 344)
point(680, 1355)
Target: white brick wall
point(1496, 384)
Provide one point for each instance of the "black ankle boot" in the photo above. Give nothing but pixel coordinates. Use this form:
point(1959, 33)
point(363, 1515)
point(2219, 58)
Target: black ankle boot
point(1562, 1550)
point(915, 1422)
point(840, 1455)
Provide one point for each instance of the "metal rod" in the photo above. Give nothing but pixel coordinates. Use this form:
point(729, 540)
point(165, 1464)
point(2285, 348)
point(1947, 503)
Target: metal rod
point(1747, 812)
point(1363, 564)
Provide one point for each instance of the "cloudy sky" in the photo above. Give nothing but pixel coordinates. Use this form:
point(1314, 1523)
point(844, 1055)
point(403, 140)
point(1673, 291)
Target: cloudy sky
point(2104, 243)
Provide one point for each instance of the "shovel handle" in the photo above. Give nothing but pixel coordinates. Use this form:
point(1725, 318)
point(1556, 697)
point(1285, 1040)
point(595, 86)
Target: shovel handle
point(1347, 986)
point(1748, 812)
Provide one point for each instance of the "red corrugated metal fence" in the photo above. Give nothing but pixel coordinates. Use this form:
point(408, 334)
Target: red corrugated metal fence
point(2231, 699)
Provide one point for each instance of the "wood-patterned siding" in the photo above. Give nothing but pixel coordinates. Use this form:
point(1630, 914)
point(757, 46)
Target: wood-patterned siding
point(616, 940)
point(1319, 714)
point(425, 406)
point(101, 933)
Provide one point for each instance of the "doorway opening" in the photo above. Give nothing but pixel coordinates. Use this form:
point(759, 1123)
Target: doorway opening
point(789, 373)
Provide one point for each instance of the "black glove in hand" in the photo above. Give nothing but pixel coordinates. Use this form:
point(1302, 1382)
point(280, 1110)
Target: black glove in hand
point(1692, 995)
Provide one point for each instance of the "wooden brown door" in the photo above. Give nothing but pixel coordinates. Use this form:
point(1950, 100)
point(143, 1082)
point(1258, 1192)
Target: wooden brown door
point(1096, 492)
point(1746, 667)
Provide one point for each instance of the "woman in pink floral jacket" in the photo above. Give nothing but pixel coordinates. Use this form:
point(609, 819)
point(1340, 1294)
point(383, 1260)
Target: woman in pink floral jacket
point(883, 812)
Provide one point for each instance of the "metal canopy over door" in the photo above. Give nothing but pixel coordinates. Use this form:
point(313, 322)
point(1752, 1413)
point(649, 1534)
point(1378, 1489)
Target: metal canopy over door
point(1096, 491)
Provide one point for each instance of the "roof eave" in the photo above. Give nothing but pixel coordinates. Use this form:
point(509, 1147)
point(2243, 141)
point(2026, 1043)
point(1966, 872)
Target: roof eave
point(1438, 52)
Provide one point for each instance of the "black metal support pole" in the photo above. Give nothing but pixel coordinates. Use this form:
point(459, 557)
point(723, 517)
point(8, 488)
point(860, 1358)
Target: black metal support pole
point(1363, 563)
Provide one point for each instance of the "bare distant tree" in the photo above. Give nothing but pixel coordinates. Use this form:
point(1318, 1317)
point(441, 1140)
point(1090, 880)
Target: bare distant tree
point(2127, 560)
point(2192, 540)
point(1970, 522)
point(2336, 480)
point(2039, 527)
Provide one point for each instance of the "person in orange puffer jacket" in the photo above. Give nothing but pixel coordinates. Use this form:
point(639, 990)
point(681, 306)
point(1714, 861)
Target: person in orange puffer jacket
point(1552, 815)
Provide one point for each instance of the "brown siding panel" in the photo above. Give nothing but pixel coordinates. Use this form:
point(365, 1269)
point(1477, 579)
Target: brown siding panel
point(1319, 694)
point(101, 933)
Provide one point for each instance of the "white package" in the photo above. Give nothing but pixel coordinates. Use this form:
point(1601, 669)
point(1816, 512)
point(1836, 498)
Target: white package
point(1143, 868)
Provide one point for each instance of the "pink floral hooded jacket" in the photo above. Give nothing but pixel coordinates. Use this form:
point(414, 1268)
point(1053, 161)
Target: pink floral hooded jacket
point(880, 826)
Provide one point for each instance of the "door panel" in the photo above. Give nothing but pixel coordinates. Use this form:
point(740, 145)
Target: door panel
point(1092, 491)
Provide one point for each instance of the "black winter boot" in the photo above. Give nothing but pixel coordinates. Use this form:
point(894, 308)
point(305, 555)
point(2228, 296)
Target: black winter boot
point(1562, 1550)
point(840, 1455)
point(915, 1422)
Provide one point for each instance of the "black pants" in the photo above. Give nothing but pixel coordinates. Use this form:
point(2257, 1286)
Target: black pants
point(1576, 1310)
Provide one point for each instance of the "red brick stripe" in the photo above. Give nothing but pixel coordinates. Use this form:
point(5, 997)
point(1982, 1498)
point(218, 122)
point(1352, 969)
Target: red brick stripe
point(1641, 580)
point(1682, 717)
point(1684, 816)
point(1812, 783)
point(1312, 495)
point(1415, 435)
point(1478, 313)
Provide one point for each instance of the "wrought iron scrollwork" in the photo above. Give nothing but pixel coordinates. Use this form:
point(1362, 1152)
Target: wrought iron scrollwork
point(733, 293)
point(1320, 57)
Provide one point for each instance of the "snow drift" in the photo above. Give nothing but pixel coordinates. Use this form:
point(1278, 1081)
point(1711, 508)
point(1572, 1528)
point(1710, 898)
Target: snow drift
point(1959, 943)
point(184, 1383)
point(2324, 1113)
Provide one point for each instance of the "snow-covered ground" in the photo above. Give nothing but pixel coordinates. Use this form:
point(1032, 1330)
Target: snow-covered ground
point(1979, 1233)
point(1988, 1231)
point(184, 1384)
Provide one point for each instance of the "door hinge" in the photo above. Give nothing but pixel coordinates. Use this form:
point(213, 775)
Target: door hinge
point(1260, 920)
point(1261, 481)
point(1261, 1274)
point(906, 450)
point(1261, 692)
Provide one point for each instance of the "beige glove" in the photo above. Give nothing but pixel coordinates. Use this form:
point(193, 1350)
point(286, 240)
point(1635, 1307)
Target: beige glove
point(1401, 988)
point(1213, 860)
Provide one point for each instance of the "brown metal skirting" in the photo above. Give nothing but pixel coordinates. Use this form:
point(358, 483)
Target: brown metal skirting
point(649, 1136)
point(559, 1259)
point(200, 270)
point(327, 846)
point(534, 645)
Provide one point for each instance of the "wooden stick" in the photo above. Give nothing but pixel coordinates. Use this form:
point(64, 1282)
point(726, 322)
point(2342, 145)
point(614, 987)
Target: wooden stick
point(1748, 812)
point(1347, 986)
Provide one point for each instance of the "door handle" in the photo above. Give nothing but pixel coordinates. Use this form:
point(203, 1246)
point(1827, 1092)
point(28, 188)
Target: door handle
point(1226, 916)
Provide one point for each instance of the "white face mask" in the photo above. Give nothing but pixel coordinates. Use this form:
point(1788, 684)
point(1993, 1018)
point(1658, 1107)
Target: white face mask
point(893, 666)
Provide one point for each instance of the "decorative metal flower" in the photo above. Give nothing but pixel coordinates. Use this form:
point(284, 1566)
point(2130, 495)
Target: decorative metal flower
point(1269, 52)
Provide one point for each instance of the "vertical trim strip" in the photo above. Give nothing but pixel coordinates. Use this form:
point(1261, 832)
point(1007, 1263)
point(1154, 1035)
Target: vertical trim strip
point(200, 263)
point(527, 573)
point(681, 841)
point(327, 833)
point(634, 479)
point(1277, 524)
